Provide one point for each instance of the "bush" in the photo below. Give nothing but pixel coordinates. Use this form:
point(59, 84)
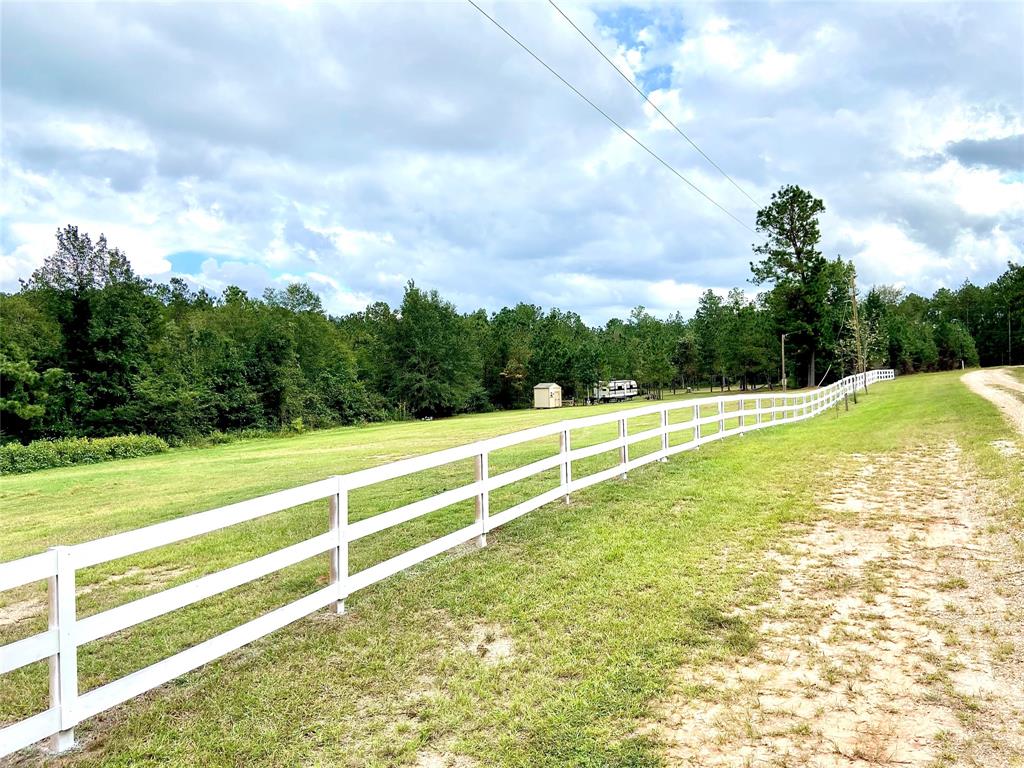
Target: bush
point(17, 459)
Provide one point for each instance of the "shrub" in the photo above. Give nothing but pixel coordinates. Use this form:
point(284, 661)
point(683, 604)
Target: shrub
point(44, 454)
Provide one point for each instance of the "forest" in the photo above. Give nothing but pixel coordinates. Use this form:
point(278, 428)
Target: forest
point(89, 348)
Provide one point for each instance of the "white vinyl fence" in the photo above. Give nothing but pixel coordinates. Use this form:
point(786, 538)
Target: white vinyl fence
point(67, 631)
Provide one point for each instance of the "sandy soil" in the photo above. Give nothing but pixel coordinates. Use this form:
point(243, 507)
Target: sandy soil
point(147, 578)
point(997, 385)
point(896, 639)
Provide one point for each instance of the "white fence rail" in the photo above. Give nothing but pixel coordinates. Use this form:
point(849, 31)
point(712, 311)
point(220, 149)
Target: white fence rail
point(66, 633)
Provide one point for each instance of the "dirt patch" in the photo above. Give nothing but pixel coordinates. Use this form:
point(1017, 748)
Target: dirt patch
point(147, 578)
point(430, 759)
point(895, 639)
point(1006, 447)
point(997, 386)
point(489, 642)
point(20, 611)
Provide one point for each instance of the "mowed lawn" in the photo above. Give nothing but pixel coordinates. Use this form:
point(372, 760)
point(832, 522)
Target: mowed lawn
point(545, 648)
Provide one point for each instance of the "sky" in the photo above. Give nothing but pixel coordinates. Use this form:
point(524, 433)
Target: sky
point(356, 147)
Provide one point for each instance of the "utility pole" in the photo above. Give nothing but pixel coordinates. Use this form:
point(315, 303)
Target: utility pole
point(860, 361)
point(856, 323)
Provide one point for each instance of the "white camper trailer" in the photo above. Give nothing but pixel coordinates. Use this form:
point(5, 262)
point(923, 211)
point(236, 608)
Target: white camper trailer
point(620, 389)
point(547, 395)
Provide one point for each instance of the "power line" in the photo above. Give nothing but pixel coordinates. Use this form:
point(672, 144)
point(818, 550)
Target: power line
point(609, 118)
point(646, 98)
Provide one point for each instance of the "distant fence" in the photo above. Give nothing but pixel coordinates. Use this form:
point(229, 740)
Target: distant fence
point(67, 632)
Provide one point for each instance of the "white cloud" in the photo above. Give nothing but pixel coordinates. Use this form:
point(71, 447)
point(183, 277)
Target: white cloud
point(886, 254)
point(285, 145)
point(669, 101)
point(722, 49)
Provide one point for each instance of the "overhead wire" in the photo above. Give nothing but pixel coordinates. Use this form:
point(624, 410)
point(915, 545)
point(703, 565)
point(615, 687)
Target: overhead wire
point(610, 119)
point(656, 108)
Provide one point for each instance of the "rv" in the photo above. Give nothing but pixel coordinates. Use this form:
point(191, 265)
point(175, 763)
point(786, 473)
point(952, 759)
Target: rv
point(620, 389)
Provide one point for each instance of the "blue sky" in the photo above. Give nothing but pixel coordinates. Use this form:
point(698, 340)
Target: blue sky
point(358, 146)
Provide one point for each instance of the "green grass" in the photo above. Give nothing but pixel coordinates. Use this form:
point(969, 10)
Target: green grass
point(601, 600)
point(71, 505)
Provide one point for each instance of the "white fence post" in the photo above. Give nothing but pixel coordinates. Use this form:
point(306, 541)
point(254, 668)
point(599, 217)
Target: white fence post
point(743, 405)
point(664, 434)
point(721, 412)
point(696, 422)
point(64, 664)
point(565, 446)
point(760, 407)
point(624, 449)
point(338, 505)
point(483, 499)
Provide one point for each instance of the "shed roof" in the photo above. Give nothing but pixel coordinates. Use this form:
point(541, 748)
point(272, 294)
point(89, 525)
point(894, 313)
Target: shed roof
point(546, 385)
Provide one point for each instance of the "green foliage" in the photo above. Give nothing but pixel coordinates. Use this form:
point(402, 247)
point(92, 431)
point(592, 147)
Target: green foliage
point(917, 334)
point(790, 253)
point(799, 274)
point(435, 368)
point(18, 459)
point(89, 349)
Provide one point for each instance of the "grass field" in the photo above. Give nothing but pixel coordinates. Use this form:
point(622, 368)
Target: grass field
point(545, 648)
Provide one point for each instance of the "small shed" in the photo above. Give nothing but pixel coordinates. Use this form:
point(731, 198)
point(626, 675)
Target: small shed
point(547, 395)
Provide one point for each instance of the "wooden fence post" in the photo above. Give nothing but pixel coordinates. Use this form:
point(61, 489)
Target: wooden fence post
point(64, 664)
point(483, 499)
point(696, 422)
point(565, 446)
point(338, 505)
point(721, 413)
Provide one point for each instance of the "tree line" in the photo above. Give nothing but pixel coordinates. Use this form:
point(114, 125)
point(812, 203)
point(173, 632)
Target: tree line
point(89, 348)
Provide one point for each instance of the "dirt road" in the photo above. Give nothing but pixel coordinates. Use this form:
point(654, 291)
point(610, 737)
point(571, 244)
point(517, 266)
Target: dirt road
point(895, 638)
point(999, 386)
